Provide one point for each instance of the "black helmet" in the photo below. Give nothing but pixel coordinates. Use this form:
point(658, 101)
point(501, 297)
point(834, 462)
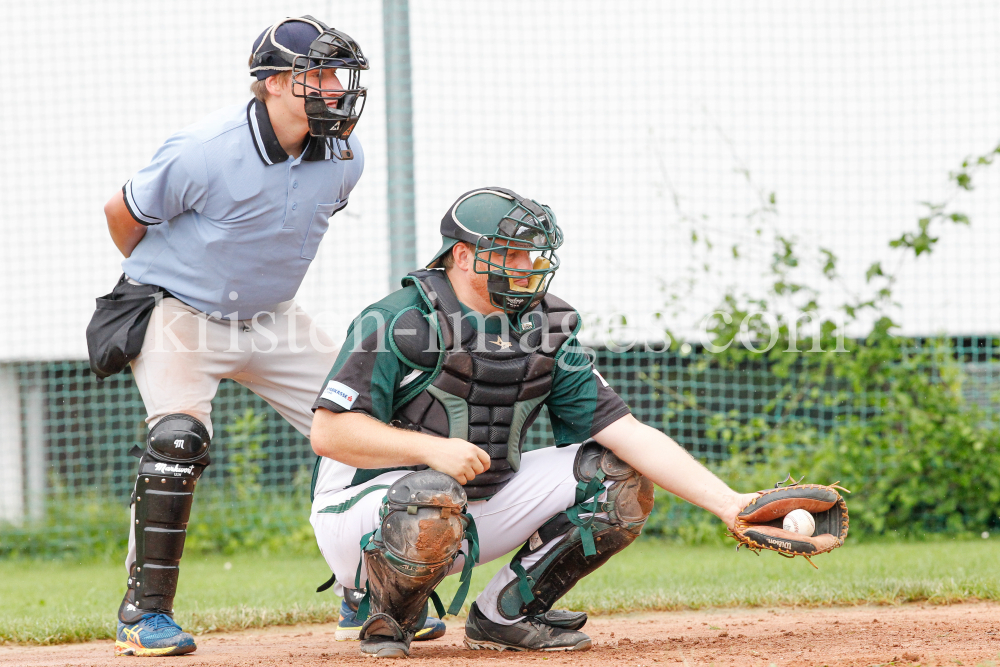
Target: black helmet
point(333, 110)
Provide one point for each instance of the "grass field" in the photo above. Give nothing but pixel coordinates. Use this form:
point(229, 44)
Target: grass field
point(55, 602)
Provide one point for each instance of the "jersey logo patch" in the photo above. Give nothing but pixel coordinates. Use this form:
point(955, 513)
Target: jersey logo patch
point(340, 394)
point(503, 345)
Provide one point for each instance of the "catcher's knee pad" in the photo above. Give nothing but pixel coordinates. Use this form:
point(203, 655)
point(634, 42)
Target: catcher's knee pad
point(584, 539)
point(176, 454)
point(414, 547)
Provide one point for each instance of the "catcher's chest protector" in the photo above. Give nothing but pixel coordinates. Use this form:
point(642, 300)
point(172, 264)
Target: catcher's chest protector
point(489, 388)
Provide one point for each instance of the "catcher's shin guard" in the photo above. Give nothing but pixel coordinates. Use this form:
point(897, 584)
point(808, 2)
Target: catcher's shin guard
point(585, 541)
point(175, 456)
point(415, 545)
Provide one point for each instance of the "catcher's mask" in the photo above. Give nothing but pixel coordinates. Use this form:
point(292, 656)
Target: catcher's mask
point(333, 105)
point(498, 221)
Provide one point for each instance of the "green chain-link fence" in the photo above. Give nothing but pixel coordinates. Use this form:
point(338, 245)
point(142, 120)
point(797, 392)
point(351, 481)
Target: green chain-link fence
point(652, 129)
point(75, 434)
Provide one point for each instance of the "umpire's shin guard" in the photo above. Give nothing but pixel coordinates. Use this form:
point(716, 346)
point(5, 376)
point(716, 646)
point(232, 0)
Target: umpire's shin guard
point(176, 455)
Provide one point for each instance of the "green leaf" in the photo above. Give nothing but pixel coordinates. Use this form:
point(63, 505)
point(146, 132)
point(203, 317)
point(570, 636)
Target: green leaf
point(873, 270)
point(829, 263)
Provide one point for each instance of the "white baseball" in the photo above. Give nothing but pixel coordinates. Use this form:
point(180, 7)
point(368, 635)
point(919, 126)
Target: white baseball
point(800, 522)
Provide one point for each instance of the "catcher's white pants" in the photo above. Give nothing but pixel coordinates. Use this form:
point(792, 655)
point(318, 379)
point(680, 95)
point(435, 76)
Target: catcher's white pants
point(281, 356)
point(544, 486)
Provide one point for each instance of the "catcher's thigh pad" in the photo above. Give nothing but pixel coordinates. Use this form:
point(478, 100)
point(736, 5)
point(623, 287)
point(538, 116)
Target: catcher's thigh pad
point(585, 541)
point(417, 541)
point(176, 455)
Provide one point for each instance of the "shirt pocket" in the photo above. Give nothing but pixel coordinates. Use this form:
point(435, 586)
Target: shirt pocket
point(317, 227)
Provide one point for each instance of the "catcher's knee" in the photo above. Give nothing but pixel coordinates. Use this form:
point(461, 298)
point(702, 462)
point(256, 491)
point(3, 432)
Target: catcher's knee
point(421, 521)
point(418, 539)
point(584, 537)
point(630, 494)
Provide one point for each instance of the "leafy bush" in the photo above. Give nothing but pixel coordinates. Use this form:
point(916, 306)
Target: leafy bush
point(898, 430)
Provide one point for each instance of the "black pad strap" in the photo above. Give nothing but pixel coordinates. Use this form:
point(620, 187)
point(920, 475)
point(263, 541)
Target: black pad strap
point(327, 584)
point(555, 527)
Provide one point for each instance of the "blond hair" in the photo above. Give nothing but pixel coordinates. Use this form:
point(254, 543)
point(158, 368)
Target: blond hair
point(259, 87)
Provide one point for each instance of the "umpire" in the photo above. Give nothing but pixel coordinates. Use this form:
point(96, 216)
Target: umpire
point(225, 220)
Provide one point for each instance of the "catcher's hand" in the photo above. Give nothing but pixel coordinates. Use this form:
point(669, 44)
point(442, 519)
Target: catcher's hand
point(758, 524)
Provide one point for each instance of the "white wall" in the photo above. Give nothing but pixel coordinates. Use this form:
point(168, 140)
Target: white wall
point(851, 112)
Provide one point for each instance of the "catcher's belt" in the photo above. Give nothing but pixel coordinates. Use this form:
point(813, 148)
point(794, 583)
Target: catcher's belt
point(759, 524)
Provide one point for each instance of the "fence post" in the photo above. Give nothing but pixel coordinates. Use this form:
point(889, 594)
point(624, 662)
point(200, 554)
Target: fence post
point(34, 445)
point(399, 140)
point(11, 468)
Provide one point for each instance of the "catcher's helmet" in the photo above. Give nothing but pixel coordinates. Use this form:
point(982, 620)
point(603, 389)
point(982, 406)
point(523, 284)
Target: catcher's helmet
point(332, 108)
point(496, 220)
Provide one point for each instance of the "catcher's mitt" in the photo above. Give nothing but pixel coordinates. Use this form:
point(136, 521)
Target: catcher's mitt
point(758, 525)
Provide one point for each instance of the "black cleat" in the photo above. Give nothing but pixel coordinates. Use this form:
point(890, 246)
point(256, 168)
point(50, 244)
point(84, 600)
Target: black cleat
point(529, 634)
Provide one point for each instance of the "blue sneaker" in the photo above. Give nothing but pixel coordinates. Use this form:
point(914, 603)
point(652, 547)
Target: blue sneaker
point(154, 634)
point(349, 627)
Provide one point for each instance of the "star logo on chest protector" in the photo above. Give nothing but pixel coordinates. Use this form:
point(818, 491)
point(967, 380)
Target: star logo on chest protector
point(501, 343)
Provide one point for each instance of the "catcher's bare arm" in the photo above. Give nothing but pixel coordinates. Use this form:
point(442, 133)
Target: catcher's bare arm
point(658, 457)
point(363, 442)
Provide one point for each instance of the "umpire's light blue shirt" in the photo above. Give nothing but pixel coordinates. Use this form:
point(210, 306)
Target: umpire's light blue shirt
point(233, 221)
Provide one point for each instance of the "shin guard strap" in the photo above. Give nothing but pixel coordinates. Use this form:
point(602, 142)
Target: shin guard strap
point(523, 581)
point(584, 490)
point(471, 560)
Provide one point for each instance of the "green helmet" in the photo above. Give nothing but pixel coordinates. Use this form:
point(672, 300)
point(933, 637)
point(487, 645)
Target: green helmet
point(494, 220)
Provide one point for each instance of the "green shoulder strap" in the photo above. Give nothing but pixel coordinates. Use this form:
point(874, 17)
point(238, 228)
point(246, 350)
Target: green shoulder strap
point(424, 382)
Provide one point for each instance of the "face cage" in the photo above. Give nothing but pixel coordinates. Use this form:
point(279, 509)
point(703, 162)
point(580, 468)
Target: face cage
point(517, 301)
point(332, 124)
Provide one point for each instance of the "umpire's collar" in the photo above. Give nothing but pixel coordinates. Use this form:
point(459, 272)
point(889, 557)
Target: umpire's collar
point(266, 141)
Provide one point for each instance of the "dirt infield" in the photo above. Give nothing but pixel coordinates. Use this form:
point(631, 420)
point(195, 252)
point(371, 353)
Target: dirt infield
point(964, 634)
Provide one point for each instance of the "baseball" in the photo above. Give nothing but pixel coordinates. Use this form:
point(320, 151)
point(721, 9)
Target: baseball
point(800, 522)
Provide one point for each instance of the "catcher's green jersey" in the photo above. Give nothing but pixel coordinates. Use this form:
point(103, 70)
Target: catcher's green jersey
point(368, 377)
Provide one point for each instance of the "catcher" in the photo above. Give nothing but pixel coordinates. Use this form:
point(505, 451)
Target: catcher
point(420, 425)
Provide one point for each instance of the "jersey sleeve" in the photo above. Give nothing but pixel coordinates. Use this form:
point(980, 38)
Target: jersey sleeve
point(175, 181)
point(366, 373)
point(582, 403)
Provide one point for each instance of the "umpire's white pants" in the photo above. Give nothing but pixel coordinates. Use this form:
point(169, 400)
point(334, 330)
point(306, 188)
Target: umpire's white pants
point(280, 356)
point(544, 486)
